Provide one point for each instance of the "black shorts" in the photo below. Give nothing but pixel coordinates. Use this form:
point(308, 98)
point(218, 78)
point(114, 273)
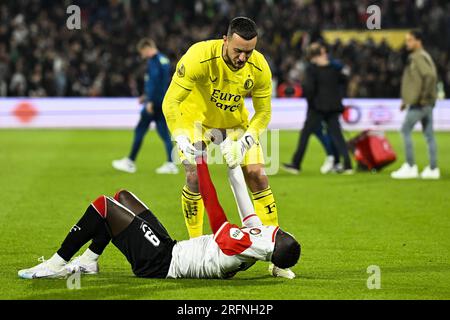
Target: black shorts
point(147, 246)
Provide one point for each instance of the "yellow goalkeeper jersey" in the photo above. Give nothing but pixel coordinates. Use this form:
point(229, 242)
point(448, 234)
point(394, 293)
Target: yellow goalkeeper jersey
point(217, 92)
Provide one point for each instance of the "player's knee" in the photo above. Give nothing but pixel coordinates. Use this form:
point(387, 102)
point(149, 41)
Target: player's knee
point(100, 206)
point(192, 181)
point(130, 201)
point(256, 180)
point(191, 178)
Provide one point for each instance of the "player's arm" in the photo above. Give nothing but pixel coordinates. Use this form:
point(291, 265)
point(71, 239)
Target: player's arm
point(214, 210)
point(262, 101)
point(174, 96)
point(245, 206)
point(189, 70)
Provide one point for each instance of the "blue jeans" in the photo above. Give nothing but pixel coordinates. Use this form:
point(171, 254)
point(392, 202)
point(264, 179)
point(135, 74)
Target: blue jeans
point(425, 116)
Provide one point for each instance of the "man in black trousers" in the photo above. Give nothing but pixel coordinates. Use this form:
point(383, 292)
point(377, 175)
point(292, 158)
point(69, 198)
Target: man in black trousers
point(323, 91)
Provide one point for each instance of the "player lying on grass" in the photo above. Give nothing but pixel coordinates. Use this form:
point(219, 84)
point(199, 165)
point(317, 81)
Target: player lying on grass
point(152, 253)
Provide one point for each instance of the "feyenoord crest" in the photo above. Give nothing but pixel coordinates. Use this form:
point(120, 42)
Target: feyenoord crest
point(181, 71)
point(255, 231)
point(248, 84)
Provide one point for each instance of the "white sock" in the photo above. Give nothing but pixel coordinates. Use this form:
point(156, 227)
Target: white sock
point(89, 256)
point(57, 261)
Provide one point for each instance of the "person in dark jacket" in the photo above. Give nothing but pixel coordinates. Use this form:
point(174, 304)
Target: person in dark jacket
point(323, 91)
point(157, 81)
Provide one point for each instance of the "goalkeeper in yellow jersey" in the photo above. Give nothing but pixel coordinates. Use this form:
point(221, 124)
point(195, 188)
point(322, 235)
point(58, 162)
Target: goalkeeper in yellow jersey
point(207, 93)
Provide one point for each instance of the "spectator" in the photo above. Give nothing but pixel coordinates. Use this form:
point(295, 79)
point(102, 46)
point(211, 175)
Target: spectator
point(418, 98)
point(324, 104)
point(33, 31)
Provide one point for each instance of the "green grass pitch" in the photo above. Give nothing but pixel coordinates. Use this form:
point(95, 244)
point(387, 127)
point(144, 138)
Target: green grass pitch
point(344, 223)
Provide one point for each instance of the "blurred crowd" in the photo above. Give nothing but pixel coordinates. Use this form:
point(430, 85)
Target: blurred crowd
point(40, 56)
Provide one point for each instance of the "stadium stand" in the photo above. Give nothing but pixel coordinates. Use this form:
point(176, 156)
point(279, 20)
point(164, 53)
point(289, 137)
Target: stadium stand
point(39, 56)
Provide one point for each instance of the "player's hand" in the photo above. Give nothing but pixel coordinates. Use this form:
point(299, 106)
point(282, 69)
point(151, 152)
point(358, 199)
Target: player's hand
point(189, 151)
point(149, 107)
point(142, 99)
point(234, 151)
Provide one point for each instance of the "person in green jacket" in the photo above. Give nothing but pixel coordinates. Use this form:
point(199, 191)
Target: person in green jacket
point(418, 93)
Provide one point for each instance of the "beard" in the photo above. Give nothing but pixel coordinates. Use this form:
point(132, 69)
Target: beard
point(228, 60)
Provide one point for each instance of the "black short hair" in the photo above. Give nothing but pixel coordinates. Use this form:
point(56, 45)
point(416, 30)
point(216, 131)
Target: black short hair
point(286, 251)
point(244, 27)
point(417, 34)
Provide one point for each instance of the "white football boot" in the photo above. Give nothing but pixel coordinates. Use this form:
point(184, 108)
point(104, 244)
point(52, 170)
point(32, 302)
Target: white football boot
point(429, 173)
point(124, 164)
point(167, 168)
point(279, 272)
point(79, 264)
point(406, 172)
point(44, 270)
point(327, 165)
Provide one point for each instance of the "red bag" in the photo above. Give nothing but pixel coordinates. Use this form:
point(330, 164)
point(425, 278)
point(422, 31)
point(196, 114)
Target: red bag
point(372, 150)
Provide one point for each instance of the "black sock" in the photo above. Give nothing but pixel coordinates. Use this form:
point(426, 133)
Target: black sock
point(100, 240)
point(90, 225)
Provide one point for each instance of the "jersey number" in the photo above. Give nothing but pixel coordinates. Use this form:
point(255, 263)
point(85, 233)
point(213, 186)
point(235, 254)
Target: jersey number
point(149, 235)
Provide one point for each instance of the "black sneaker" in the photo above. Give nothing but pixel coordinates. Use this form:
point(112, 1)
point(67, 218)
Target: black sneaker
point(288, 167)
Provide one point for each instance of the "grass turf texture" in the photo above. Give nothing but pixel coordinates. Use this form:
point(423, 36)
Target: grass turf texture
point(345, 223)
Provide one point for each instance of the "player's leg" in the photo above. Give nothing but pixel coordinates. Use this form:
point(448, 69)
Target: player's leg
point(138, 207)
point(144, 242)
point(90, 226)
point(139, 133)
point(127, 164)
point(192, 202)
point(169, 166)
point(262, 196)
point(258, 183)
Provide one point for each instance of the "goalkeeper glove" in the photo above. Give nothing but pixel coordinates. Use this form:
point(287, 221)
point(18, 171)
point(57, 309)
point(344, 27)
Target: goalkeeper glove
point(189, 151)
point(234, 151)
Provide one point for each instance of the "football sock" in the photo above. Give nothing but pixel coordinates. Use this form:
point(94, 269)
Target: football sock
point(193, 210)
point(56, 261)
point(265, 207)
point(90, 224)
point(100, 241)
point(89, 256)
